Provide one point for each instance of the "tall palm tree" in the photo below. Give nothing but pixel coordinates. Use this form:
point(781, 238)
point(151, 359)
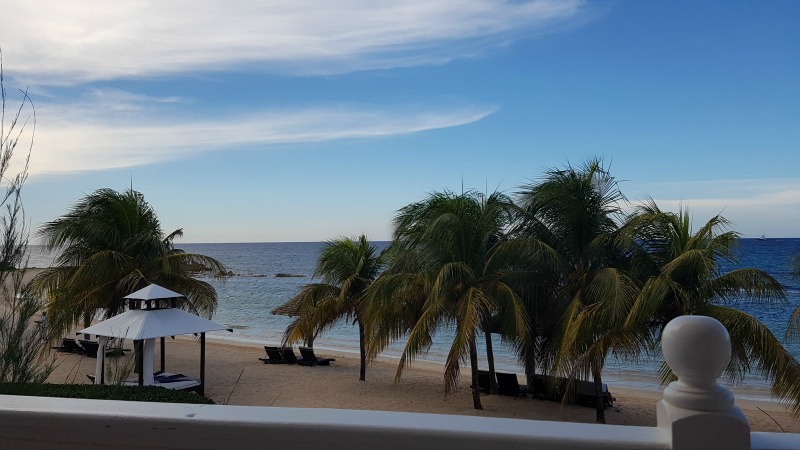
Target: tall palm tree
point(110, 244)
point(449, 266)
point(347, 267)
point(574, 211)
point(686, 278)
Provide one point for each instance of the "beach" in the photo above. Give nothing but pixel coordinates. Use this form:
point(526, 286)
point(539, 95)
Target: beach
point(235, 376)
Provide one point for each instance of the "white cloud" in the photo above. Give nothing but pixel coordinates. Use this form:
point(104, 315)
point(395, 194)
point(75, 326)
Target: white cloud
point(113, 129)
point(57, 42)
point(754, 206)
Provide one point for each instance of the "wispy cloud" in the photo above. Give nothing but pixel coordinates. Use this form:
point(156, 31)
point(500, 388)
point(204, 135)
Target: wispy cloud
point(113, 129)
point(52, 41)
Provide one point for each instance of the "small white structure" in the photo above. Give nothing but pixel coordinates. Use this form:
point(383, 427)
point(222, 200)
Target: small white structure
point(698, 349)
point(151, 296)
point(145, 325)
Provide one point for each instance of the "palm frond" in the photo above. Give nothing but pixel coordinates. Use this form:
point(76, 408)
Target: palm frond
point(753, 343)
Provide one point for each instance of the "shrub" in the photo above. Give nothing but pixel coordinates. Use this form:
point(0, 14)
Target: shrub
point(104, 392)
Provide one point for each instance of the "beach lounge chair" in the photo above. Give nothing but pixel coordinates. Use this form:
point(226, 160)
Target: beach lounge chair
point(586, 395)
point(69, 345)
point(308, 357)
point(114, 347)
point(279, 355)
point(484, 381)
point(274, 355)
point(507, 384)
point(90, 348)
point(552, 388)
point(290, 358)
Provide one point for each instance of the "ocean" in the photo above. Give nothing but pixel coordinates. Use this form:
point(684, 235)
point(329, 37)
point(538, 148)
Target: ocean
point(246, 299)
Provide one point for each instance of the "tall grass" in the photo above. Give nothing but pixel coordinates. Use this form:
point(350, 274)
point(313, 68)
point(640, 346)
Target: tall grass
point(24, 355)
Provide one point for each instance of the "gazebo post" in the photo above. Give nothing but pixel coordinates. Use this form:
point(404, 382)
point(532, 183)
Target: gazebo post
point(99, 376)
point(163, 354)
point(202, 364)
point(140, 362)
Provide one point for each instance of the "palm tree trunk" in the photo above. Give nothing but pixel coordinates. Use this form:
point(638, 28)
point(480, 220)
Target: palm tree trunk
point(598, 394)
point(473, 360)
point(493, 389)
point(87, 321)
point(362, 344)
point(529, 359)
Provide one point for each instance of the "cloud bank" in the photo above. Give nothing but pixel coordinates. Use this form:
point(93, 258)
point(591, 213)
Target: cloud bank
point(56, 42)
point(754, 206)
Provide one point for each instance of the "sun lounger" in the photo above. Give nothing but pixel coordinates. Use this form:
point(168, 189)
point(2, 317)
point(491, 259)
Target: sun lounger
point(274, 355)
point(308, 357)
point(484, 381)
point(114, 347)
point(174, 381)
point(90, 348)
point(282, 355)
point(288, 355)
point(554, 388)
point(507, 384)
point(169, 377)
point(69, 345)
point(587, 397)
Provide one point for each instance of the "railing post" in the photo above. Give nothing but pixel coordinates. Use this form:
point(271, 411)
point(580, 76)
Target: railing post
point(695, 411)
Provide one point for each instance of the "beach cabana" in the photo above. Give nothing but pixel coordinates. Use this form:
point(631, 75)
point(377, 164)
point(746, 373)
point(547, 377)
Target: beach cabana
point(145, 325)
point(153, 296)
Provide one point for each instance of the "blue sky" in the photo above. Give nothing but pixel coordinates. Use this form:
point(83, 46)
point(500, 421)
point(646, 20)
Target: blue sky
point(304, 121)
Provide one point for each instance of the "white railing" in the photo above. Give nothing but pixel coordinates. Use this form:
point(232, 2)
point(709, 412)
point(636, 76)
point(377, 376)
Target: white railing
point(695, 413)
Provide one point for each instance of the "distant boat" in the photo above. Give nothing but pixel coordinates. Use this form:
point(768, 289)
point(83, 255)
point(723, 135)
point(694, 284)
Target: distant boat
point(762, 238)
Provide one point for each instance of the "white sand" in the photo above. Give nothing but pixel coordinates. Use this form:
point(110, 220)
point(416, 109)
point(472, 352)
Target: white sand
point(235, 376)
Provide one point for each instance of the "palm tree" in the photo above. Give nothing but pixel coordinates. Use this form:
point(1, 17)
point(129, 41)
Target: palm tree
point(449, 266)
point(110, 244)
point(347, 267)
point(795, 263)
point(686, 278)
point(793, 331)
point(573, 211)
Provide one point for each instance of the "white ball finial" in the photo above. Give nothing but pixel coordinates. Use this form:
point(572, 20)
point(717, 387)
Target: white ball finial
point(697, 349)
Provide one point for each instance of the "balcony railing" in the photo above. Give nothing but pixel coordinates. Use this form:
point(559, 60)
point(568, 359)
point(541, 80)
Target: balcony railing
point(695, 413)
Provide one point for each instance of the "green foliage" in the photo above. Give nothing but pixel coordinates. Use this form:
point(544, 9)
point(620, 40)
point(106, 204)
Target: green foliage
point(347, 268)
point(23, 343)
point(110, 244)
point(121, 365)
point(685, 278)
point(575, 211)
point(451, 263)
point(104, 392)
point(568, 279)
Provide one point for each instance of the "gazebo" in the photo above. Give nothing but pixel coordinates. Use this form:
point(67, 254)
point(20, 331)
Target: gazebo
point(145, 325)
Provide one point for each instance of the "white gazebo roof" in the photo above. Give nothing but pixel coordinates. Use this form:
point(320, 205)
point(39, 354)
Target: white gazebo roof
point(139, 324)
point(153, 292)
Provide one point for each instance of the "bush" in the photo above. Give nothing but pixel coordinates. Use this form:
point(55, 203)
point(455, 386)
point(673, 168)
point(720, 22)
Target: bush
point(104, 392)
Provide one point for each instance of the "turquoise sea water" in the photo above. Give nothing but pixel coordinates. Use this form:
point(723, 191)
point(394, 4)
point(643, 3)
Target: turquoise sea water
point(246, 299)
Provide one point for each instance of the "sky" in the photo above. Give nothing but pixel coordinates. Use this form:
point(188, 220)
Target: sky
point(245, 121)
